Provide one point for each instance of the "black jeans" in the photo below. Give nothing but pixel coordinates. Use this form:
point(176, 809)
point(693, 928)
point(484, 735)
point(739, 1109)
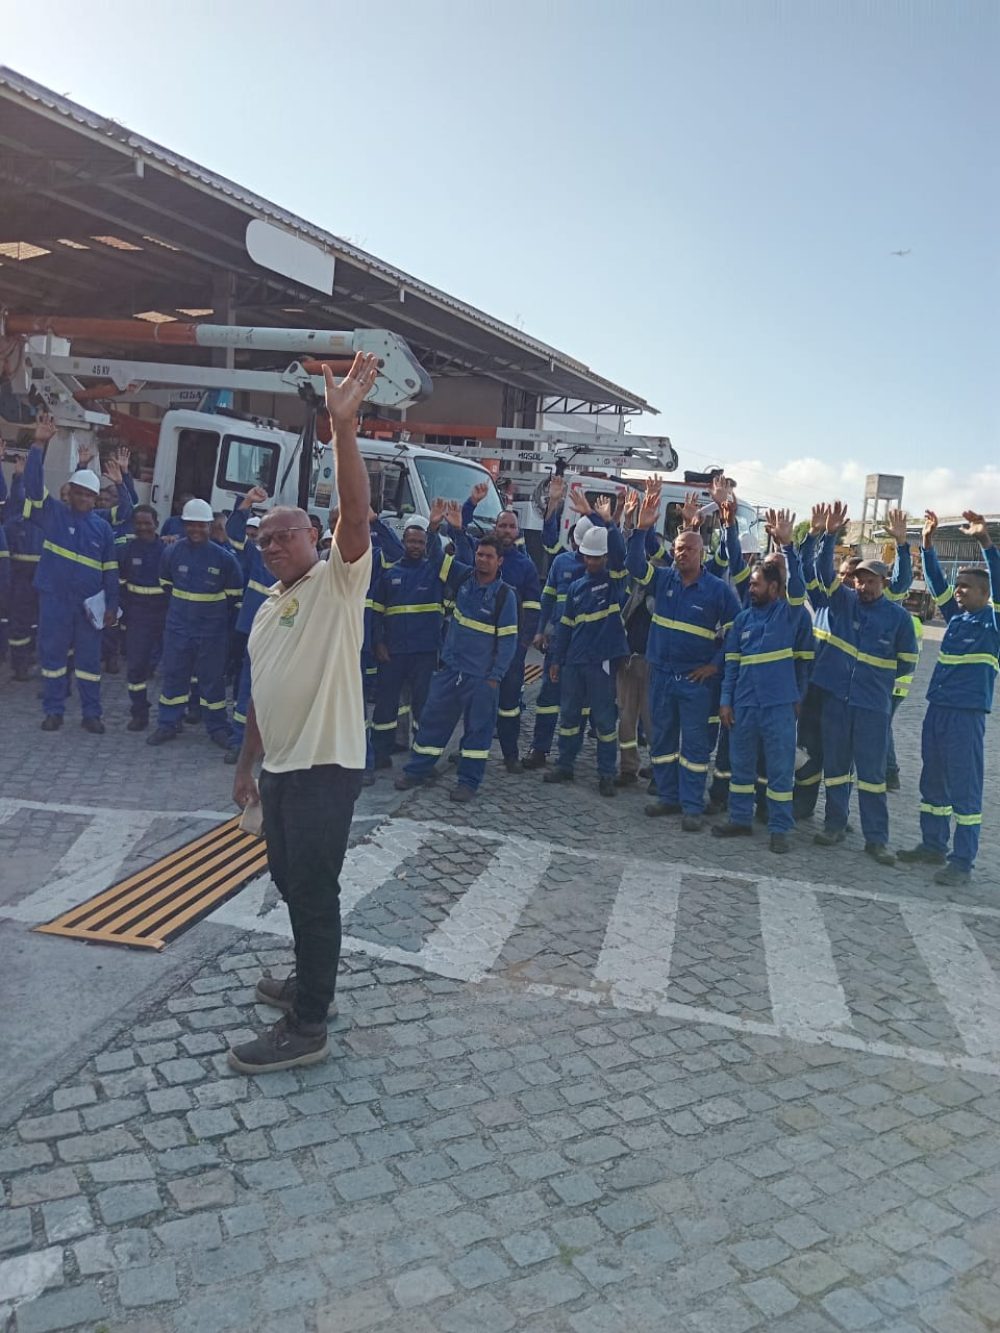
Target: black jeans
point(307, 818)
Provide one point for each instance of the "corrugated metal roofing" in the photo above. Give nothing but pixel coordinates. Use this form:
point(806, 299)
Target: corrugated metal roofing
point(139, 146)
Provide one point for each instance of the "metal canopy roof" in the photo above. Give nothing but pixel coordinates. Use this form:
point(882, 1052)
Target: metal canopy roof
point(96, 220)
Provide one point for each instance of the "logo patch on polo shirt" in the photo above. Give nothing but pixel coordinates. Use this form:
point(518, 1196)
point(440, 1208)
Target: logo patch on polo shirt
point(287, 617)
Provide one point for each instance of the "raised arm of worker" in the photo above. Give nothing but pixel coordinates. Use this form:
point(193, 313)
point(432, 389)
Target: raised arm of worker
point(836, 517)
point(781, 526)
point(637, 561)
point(553, 515)
point(902, 568)
point(343, 401)
point(36, 497)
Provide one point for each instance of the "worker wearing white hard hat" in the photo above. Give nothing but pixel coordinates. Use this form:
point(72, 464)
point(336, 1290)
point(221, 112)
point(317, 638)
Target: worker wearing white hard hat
point(205, 583)
point(590, 642)
point(77, 582)
point(564, 569)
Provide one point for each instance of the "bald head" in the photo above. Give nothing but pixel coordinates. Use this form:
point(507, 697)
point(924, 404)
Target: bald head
point(287, 541)
point(689, 551)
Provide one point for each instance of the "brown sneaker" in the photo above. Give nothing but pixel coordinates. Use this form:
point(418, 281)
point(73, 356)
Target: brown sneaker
point(279, 993)
point(286, 1045)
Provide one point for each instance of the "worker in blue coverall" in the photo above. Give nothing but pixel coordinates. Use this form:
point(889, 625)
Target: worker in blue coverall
point(204, 583)
point(407, 620)
point(590, 642)
point(768, 653)
point(479, 647)
point(24, 541)
point(518, 572)
point(782, 560)
point(693, 611)
point(78, 562)
point(117, 500)
point(809, 775)
point(241, 530)
point(386, 548)
point(4, 591)
point(958, 698)
point(564, 570)
point(867, 642)
point(144, 600)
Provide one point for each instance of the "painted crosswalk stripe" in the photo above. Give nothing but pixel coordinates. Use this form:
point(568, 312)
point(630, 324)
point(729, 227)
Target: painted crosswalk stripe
point(806, 994)
point(90, 865)
point(961, 973)
point(634, 961)
point(467, 943)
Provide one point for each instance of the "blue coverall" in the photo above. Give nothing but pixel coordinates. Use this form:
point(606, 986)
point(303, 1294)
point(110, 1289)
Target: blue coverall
point(77, 561)
point(590, 641)
point(518, 572)
point(958, 698)
point(768, 653)
point(145, 601)
point(407, 619)
point(478, 648)
point(865, 647)
point(809, 775)
point(4, 592)
point(204, 583)
point(688, 625)
point(24, 540)
point(564, 570)
point(256, 581)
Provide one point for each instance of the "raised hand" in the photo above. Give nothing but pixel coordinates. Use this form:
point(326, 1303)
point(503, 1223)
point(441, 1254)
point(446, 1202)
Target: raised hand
point(438, 510)
point(557, 490)
point(631, 505)
point(453, 514)
point(895, 525)
point(478, 492)
point(602, 507)
point(720, 490)
point(975, 526)
point(690, 508)
point(124, 457)
point(727, 511)
point(780, 524)
point(343, 400)
point(112, 469)
point(578, 501)
point(256, 495)
point(817, 522)
point(929, 528)
point(45, 428)
point(836, 516)
point(649, 512)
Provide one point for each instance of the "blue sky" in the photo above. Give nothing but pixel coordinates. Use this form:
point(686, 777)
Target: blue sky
point(698, 199)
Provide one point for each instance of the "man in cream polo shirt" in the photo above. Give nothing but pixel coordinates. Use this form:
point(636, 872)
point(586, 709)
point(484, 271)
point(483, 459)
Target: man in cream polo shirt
point(306, 723)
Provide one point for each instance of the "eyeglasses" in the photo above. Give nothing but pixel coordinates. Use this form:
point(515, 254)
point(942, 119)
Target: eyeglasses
point(279, 537)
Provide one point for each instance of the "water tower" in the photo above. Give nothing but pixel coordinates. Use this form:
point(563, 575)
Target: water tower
point(882, 493)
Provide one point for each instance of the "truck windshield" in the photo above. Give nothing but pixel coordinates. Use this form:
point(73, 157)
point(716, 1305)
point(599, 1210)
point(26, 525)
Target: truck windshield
point(451, 480)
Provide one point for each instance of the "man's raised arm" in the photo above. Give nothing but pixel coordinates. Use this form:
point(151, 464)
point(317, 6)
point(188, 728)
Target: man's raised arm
point(343, 401)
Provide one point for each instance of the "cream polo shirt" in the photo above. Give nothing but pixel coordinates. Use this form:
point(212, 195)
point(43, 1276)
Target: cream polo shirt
point(305, 661)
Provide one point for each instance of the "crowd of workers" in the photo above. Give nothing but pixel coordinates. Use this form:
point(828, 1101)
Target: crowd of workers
point(650, 632)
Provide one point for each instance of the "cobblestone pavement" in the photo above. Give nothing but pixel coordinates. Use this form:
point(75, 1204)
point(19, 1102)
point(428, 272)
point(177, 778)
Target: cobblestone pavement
point(590, 1074)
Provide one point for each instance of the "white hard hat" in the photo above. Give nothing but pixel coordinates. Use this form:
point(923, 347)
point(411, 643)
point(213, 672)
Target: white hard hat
point(326, 537)
point(253, 521)
point(583, 526)
point(416, 521)
point(595, 541)
point(89, 481)
point(197, 511)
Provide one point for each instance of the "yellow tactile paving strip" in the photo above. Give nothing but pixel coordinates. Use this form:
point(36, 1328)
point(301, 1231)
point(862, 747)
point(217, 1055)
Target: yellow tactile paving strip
point(149, 909)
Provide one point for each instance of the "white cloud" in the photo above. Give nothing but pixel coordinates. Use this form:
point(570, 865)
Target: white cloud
point(802, 482)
